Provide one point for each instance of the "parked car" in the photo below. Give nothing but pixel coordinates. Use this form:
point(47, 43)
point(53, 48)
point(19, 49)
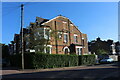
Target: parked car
point(106, 60)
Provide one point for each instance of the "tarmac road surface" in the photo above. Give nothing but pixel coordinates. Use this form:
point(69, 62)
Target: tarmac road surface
point(96, 72)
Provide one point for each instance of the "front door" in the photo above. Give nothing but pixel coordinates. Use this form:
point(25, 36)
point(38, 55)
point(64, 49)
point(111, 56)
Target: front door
point(66, 51)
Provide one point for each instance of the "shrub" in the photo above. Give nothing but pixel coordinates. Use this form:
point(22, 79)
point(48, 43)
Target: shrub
point(40, 60)
point(101, 52)
point(54, 60)
point(15, 60)
point(86, 59)
point(119, 58)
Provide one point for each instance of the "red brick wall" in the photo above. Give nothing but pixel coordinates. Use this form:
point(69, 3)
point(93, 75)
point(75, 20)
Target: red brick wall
point(73, 30)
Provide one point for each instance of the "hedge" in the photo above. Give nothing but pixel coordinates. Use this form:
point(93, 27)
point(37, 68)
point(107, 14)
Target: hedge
point(51, 60)
point(118, 58)
point(15, 60)
point(40, 60)
point(86, 59)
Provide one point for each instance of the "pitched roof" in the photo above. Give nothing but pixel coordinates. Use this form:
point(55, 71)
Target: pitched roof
point(41, 20)
point(62, 17)
point(53, 19)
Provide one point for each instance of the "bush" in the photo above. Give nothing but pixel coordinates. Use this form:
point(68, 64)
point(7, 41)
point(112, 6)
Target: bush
point(86, 59)
point(54, 60)
point(40, 60)
point(119, 58)
point(15, 60)
point(101, 52)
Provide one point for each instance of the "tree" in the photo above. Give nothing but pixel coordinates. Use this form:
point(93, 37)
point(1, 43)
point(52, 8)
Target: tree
point(5, 51)
point(36, 39)
point(99, 46)
point(101, 52)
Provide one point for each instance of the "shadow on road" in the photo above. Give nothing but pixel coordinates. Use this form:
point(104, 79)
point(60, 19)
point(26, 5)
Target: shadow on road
point(116, 64)
point(78, 74)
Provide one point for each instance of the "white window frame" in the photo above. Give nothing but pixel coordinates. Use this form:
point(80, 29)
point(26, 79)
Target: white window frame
point(64, 22)
point(78, 47)
point(45, 31)
point(14, 46)
point(38, 32)
point(66, 48)
point(60, 35)
point(71, 25)
point(74, 38)
point(50, 48)
point(64, 38)
point(83, 38)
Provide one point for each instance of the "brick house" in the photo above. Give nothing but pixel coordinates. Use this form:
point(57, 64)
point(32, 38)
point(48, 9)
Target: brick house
point(109, 46)
point(70, 40)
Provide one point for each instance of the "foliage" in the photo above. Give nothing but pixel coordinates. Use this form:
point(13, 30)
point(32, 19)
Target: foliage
point(15, 60)
point(86, 59)
point(119, 58)
point(42, 60)
point(53, 60)
point(5, 51)
point(36, 39)
point(56, 34)
point(101, 51)
point(117, 47)
point(99, 45)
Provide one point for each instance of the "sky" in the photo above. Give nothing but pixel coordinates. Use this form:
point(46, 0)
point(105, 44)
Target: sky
point(60, 0)
point(96, 19)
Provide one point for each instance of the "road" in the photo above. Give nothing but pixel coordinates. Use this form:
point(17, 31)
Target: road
point(96, 72)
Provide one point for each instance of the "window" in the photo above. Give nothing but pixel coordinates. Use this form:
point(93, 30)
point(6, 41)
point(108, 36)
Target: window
point(64, 25)
point(78, 51)
point(71, 24)
point(39, 33)
point(66, 50)
point(83, 42)
point(47, 34)
point(65, 38)
point(75, 38)
point(48, 50)
point(59, 35)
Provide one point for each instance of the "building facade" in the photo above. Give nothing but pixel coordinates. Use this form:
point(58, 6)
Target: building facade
point(62, 35)
point(69, 41)
point(109, 46)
